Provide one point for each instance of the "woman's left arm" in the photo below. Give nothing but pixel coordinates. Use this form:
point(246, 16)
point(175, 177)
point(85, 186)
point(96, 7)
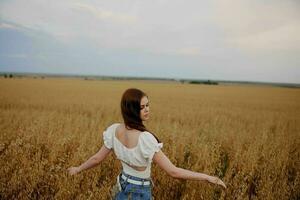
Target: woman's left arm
point(91, 162)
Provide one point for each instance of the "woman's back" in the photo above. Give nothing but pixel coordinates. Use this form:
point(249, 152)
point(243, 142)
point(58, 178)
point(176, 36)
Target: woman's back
point(129, 138)
point(135, 149)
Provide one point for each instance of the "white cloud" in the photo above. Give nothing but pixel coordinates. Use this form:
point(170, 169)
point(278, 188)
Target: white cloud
point(162, 26)
point(189, 51)
point(66, 19)
point(7, 26)
point(282, 38)
point(106, 14)
point(257, 25)
point(156, 26)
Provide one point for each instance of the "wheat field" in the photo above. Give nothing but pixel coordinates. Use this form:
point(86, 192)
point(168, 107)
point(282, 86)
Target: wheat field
point(249, 136)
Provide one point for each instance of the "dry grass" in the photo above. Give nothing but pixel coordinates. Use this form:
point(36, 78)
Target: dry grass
point(249, 136)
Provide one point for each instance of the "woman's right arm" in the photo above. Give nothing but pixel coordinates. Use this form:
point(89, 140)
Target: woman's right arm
point(163, 162)
point(92, 161)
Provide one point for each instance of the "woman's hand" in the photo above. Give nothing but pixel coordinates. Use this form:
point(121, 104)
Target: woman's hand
point(73, 170)
point(216, 180)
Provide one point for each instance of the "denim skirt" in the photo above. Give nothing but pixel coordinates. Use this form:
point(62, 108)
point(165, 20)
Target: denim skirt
point(131, 191)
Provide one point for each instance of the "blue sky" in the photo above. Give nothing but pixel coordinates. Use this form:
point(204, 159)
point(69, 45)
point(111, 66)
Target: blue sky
point(246, 40)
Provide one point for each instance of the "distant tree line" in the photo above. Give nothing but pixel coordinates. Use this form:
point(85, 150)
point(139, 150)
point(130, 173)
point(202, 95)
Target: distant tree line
point(8, 75)
point(21, 76)
point(208, 82)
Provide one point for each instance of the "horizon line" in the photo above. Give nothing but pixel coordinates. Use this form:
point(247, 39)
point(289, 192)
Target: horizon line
point(146, 77)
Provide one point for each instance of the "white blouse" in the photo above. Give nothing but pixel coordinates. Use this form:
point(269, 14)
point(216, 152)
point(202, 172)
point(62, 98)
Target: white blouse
point(141, 155)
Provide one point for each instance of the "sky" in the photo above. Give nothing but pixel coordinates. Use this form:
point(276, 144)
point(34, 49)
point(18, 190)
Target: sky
point(239, 40)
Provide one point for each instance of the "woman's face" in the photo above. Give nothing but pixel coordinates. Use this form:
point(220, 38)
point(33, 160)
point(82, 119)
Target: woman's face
point(145, 110)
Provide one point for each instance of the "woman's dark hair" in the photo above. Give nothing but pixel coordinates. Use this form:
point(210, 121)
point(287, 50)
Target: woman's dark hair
point(131, 107)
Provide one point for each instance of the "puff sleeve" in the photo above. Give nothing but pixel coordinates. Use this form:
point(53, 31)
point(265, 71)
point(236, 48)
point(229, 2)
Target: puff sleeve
point(108, 137)
point(149, 145)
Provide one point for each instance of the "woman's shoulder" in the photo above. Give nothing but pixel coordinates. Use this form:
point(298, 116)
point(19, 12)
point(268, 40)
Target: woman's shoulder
point(149, 145)
point(148, 137)
point(146, 134)
point(111, 129)
point(108, 135)
point(113, 126)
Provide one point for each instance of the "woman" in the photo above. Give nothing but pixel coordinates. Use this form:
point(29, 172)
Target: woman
point(136, 148)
